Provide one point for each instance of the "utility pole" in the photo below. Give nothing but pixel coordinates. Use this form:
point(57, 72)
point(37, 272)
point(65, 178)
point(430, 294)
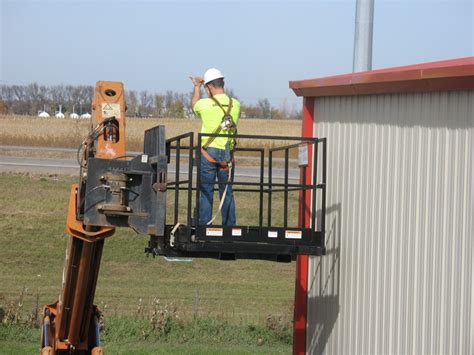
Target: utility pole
point(364, 24)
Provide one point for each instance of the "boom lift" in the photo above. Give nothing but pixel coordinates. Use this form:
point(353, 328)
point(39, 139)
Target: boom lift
point(116, 190)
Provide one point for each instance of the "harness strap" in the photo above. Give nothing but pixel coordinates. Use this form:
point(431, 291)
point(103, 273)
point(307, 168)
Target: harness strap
point(223, 165)
point(219, 128)
point(222, 108)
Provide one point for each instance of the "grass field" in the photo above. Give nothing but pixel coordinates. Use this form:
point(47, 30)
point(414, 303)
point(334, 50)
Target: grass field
point(232, 307)
point(239, 293)
point(33, 210)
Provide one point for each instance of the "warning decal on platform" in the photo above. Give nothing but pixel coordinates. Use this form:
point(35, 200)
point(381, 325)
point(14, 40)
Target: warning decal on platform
point(110, 110)
point(214, 232)
point(272, 234)
point(293, 234)
point(237, 232)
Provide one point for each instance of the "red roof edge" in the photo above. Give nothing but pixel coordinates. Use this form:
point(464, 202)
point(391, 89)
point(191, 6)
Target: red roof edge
point(453, 74)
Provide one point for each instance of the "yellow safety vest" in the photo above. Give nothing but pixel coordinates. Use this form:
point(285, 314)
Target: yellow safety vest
point(211, 115)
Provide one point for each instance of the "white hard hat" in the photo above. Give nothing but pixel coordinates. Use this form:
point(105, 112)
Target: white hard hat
point(212, 74)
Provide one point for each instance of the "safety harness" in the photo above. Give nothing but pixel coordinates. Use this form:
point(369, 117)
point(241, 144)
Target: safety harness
point(227, 123)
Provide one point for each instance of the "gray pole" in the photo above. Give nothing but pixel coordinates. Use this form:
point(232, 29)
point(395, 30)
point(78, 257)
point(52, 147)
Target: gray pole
point(364, 23)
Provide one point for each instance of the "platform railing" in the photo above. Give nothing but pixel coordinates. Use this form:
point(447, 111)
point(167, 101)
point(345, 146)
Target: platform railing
point(278, 234)
point(261, 187)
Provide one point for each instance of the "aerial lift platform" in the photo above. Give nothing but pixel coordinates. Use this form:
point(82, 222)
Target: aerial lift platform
point(116, 190)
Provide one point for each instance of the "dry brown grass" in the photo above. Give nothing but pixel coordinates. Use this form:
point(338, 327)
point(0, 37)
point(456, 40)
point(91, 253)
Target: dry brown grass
point(68, 133)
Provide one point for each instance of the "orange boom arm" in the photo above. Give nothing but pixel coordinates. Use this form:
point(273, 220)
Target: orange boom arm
point(71, 324)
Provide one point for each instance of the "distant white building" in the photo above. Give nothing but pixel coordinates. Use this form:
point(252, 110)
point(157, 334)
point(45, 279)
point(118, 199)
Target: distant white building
point(60, 114)
point(43, 113)
point(73, 114)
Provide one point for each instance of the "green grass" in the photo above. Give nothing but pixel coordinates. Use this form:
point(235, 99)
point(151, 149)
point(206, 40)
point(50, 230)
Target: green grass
point(238, 294)
point(126, 335)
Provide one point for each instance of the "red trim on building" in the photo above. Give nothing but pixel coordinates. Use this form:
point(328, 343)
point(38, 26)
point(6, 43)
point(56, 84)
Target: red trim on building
point(455, 74)
point(301, 284)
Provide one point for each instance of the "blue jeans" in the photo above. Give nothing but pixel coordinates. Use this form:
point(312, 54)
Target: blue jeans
point(209, 172)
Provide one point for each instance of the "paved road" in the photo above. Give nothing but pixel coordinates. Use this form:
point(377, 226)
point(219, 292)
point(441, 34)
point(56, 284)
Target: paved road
point(37, 149)
point(71, 167)
point(72, 150)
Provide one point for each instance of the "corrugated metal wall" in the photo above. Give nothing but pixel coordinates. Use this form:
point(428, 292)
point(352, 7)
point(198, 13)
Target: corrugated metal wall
point(398, 277)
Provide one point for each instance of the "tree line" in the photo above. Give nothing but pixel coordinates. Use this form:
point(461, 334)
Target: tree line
point(32, 98)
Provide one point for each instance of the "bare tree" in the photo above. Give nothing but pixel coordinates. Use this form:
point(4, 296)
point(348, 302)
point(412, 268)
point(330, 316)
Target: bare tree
point(132, 102)
point(146, 103)
point(29, 99)
point(265, 108)
point(159, 105)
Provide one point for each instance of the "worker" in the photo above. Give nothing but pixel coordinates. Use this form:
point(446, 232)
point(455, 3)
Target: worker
point(219, 114)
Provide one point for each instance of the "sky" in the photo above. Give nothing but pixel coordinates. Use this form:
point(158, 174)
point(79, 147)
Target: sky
point(258, 45)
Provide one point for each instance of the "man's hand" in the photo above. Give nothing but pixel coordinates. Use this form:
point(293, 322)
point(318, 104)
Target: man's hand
point(197, 80)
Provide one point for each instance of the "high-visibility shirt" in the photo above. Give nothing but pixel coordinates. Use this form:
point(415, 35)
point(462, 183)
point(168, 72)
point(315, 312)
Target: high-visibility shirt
point(211, 115)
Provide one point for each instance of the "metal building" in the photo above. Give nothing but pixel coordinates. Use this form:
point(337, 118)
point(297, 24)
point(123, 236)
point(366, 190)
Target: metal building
point(398, 274)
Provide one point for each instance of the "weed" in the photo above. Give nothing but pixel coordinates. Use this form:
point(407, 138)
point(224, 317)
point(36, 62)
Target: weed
point(160, 323)
point(280, 328)
point(13, 312)
point(162, 317)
